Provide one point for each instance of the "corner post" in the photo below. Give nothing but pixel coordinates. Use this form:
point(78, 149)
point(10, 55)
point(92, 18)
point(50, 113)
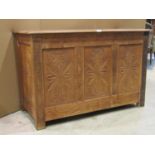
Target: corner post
point(38, 79)
point(144, 70)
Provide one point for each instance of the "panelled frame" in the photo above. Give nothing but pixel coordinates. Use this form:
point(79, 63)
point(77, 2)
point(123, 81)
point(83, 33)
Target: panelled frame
point(83, 105)
point(43, 42)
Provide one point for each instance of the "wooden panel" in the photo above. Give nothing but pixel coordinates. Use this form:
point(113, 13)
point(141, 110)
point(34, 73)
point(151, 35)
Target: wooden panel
point(97, 71)
point(60, 69)
point(26, 75)
point(76, 108)
point(124, 99)
point(129, 63)
point(90, 105)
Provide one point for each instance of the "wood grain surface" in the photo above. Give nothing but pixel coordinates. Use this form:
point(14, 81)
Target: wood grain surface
point(65, 74)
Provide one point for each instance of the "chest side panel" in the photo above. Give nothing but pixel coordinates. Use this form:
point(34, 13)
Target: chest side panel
point(24, 58)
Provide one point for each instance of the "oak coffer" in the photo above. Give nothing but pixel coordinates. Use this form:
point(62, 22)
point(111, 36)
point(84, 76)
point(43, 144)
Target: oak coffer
point(70, 72)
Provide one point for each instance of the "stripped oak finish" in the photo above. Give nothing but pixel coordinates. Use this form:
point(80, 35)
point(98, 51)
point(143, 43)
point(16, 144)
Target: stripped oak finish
point(64, 73)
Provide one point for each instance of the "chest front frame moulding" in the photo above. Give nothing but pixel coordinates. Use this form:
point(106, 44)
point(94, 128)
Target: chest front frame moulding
point(29, 57)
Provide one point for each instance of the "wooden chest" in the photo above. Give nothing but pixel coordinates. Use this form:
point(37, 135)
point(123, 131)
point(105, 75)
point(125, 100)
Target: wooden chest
point(66, 73)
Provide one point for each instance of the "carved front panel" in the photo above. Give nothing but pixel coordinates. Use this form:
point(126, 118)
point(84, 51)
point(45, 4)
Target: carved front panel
point(97, 71)
point(59, 76)
point(129, 68)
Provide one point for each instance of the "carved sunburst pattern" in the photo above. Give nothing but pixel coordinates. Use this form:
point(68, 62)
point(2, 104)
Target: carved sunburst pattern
point(59, 76)
point(129, 68)
point(98, 71)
